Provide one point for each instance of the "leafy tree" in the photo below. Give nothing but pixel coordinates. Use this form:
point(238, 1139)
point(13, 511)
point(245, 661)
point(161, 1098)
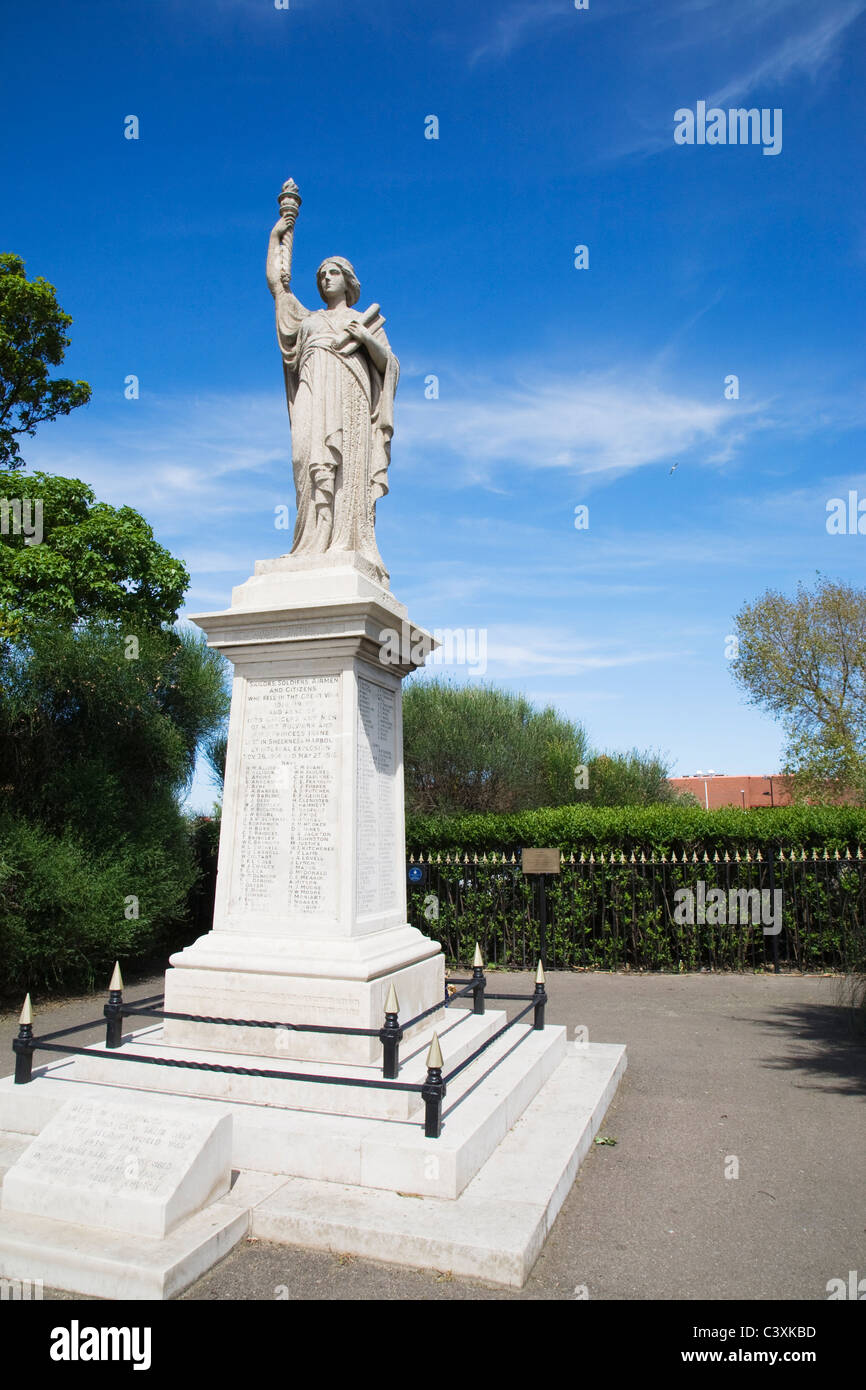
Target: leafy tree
point(630, 779)
point(92, 560)
point(98, 737)
point(215, 749)
point(477, 748)
point(804, 660)
point(32, 339)
point(99, 727)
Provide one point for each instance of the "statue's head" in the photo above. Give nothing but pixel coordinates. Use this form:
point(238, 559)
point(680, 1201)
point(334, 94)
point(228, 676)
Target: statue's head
point(335, 274)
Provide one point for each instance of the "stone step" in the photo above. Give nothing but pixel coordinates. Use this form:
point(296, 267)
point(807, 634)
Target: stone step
point(462, 1033)
point(496, 1228)
point(109, 1264)
point(480, 1107)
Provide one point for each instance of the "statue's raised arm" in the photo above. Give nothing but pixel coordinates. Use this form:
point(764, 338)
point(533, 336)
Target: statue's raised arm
point(280, 248)
point(341, 376)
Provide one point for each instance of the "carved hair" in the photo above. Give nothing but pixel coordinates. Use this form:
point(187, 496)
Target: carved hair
point(353, 286)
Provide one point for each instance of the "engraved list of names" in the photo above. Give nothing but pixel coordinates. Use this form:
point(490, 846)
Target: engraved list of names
point(287, 857)
point(377, 821)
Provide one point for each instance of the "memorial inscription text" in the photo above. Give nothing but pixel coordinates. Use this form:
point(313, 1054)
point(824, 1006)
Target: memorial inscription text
point(377, 788)
point(288, 811)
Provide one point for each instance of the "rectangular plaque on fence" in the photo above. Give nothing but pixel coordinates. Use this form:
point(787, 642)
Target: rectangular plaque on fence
point(540, 861)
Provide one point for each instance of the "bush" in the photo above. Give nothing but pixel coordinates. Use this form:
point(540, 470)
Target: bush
point(659, 829)
point(98, 737)
point(476, 747)
point(63, 906)
point(205, 839)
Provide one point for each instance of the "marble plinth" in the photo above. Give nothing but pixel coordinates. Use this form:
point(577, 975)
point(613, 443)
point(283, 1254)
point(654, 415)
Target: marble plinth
point(310, 916)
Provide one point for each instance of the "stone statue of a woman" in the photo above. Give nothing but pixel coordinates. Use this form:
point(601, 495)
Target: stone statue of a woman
point(341, 376)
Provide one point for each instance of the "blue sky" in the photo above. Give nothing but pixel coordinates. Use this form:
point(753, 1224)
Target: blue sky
point(557, 386)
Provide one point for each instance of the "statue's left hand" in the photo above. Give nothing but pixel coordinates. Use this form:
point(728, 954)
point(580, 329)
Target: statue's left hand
point(356, 330)
point(357, 333)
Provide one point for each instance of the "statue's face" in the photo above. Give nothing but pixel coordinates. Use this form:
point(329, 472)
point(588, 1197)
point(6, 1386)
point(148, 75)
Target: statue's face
point(333, 283)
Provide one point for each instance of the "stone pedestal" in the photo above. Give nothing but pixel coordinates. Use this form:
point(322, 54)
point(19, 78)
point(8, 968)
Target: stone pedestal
point(310, 919)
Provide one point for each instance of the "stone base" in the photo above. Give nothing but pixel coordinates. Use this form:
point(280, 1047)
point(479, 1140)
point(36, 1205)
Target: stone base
point(477, 1202)
point(496, 1228)
point(341, 983)
point(109, 1264)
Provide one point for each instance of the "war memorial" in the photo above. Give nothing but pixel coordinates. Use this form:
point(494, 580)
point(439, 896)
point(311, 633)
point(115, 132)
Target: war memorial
point(309, 1077)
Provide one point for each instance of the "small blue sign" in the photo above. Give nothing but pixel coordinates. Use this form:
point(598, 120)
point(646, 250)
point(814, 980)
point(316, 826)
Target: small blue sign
point(416, 873)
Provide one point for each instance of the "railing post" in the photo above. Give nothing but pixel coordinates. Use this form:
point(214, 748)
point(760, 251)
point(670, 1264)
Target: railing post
point(390, 1037)
point(542, 924)
point(23, 1046)
point(113, 1010)
point(479, 982)
point(777, 969)
point(433, 1091)
point(540, 998)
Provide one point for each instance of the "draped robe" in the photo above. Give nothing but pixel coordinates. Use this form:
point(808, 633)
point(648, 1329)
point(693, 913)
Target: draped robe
point(341, 410)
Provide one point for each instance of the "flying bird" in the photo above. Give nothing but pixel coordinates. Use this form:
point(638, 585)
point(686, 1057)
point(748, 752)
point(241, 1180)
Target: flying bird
point(675, 467)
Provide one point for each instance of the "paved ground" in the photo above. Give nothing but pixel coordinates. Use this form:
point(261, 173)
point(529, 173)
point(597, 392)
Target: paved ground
point(768, 1070)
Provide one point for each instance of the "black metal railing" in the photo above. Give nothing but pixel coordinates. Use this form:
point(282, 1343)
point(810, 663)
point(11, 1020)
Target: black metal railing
point(611, 910)
point(432, 1090)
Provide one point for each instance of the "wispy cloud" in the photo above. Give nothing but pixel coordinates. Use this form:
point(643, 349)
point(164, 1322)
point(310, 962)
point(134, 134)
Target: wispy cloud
point(524, 650)
point(588, 423)
point(177, 459)
point(745, 49)
point(519, 24)
point(805, 53)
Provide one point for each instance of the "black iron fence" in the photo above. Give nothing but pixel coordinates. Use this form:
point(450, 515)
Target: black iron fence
point(607, 910)
point(432, 1090)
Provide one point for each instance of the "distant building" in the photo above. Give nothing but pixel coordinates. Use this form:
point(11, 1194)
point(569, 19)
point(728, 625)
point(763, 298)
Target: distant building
point(713, 790)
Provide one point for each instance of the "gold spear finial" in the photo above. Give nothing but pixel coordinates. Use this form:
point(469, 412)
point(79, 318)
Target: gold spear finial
point(116, 981)
point(26, 1012)
point(478, 960)
point(392, 1003)
point(434, 1056)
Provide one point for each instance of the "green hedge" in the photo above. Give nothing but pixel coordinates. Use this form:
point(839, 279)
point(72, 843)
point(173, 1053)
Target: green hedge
point(658, 828)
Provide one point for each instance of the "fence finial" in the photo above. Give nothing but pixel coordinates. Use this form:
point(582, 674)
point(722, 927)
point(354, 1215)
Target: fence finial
point(539, 974)
point(477, 960)
point(116, 981)
point(392, 1003)
point(26, 1015)
point(434, 1055)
